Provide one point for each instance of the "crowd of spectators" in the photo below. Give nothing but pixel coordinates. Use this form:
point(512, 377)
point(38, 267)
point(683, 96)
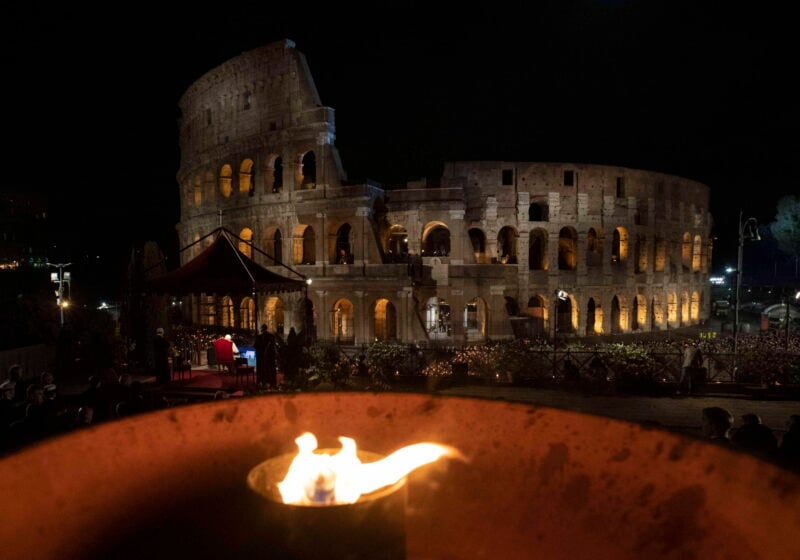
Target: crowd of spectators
point(32, 408)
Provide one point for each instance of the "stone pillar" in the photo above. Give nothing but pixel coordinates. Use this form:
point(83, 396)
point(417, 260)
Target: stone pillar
point(323, 316)
point(458, 234)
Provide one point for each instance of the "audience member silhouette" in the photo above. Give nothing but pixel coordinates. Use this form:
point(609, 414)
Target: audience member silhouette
point(789, 448)
point(717, 424)
point(161, 354)
point(15, 376)
point(754, 437)
point(266, 356)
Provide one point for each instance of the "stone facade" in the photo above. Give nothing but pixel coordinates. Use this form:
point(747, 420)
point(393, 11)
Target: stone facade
point(491, 250)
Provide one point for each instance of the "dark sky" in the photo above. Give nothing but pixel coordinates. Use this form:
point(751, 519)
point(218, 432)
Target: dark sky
point(700, 89)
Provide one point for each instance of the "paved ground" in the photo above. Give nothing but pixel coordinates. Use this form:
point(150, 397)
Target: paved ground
point(681, 413)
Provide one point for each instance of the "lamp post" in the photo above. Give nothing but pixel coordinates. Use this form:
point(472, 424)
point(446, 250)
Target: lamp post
point(748, 229)
point(561, 295)
point(306, 322)
point(60, 278)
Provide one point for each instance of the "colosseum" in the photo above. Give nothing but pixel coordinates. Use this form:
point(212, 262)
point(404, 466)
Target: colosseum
point(490, 250)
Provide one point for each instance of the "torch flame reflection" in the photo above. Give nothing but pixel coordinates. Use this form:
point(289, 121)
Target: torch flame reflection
point(341, 478)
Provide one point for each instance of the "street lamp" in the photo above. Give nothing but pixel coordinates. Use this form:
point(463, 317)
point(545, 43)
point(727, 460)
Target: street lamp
point(561, 295)
point(61, 278)
point(748, 229)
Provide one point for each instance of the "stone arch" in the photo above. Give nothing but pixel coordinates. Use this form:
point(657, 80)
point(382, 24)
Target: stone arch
point(342, 321)
point(438, 319)
point(273, 173)
point(384, 320)
point(656, 313)
point(436, 240)
point(246, 182)
point(659, 254)
point(197, 191)
point(566, 315)
point(537, 249)
point(226, 180)
point(308, 170)
point(684, 308)
point(567, 248)
point(245, 243)
point(274, 315)
point(686, 250)
point(619, 246)
point(619, 321)
point(638, 313)
point(397, 243)
point(697, 253)
point(478, 241)
point(476, 319)
point(694, 307)
point(537, 212)
point(342, 253)
point(672, 309)
point(247, 314)
point(537, 309)
point(594, 315)
point(304, 245)
point(226, 312)
point(273, 245)
point(507, 245)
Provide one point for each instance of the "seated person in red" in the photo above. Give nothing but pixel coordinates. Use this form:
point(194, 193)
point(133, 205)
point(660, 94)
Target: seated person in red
point(226, 352)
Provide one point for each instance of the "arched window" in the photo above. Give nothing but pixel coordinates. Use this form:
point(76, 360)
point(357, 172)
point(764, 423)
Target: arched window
point(475, 319)
point(273, 246)
point(656, 314)
point(478, 241)
point(277, 175)
point(305, 245)
point(226, 180)
point(537, 212)
point(226, 311)
point(273, 315)
point(438, 321)
point(538, 311)
point(507, 245)
point(537, 249)
point(198, 191)
point(385, 320)
point(246, 242)
point(342, 254)
point(659, 254)
point(342, 321)
point(686, 251)
point(436, 241)
point(594, 318)
point(246, 183)
point(247, 314)
point(619, 246)
point(697, 252)
point(567, 253)
point(309, 170)
point(397, 249)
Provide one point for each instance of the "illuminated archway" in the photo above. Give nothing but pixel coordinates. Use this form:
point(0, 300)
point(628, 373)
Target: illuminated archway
point(384, 320)
point(226, 311)
point(226, 180)
point(438, 320)
point(246, 242)
point(274, 315)
point(475, 319)
point(247, 314)
point(342, 321)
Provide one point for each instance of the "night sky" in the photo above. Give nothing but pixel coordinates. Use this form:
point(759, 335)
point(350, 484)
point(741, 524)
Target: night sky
point(704, 90)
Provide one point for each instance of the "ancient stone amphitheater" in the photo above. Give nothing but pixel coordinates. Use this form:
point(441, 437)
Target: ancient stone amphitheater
point(490, 250)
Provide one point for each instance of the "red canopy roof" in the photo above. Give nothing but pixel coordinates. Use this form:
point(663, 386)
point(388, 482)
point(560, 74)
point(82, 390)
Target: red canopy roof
point(222, 269)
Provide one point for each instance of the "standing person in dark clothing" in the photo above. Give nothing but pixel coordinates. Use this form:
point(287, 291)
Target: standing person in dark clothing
point(161, 354)
point(789, 448)
point(266, 367)
point(291, 357)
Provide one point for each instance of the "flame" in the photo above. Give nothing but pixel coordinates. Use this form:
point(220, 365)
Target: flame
point(341, 478)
